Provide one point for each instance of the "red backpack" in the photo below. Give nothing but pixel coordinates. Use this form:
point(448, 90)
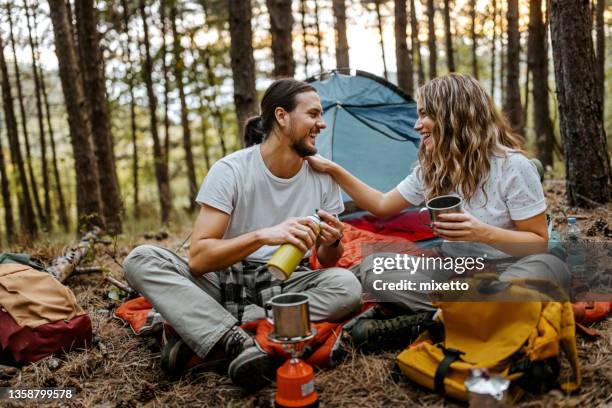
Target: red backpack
point(38, 315)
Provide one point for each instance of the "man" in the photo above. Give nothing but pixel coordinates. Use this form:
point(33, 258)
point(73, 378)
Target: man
point(251, 201)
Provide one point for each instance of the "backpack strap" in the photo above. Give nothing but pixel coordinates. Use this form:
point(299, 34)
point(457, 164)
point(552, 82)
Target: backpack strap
point(568, 344)
point(450, 356)
point(24, 259)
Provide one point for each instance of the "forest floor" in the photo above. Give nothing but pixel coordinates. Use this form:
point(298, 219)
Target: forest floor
point(122, 370)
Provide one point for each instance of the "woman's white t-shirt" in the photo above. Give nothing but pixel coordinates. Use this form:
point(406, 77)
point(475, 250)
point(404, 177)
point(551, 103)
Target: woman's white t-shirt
point(514, 192)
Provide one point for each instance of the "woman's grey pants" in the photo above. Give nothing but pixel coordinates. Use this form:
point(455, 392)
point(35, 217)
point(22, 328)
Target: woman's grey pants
point(191, 304)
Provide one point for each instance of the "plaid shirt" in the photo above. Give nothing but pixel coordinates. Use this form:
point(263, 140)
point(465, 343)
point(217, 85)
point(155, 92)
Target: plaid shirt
point(249, 282)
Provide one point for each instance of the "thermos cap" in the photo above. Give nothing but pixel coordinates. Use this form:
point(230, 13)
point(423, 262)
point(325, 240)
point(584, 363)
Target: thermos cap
point(315, 218)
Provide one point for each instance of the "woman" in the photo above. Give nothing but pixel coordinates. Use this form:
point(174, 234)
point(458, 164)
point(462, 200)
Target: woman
point(468, 150)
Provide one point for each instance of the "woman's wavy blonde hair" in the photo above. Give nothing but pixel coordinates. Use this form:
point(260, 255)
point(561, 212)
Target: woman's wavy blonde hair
point(468, 128)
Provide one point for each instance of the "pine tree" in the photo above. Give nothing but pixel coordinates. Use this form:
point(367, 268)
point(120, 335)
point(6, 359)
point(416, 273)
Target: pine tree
point(589, 178)
point(27, 217)
point(39, 116)
point(159, 159)
point(95, 93)
point(431, 40)
point(342, 48)
point(512, 103)
point(243, 64)
point(89, 201)
point(402, 54)
point(9, 222)
point(179, 64)
point(416, 44)
point(281, 25)
point(544, 134)
point(24, 126)
point(130, 81)
point(450, 53)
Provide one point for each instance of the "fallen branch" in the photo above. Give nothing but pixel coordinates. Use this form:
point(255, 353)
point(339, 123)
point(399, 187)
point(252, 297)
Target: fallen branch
point(123, 286)
point(62, 267)
point(578, 216)
point(7, 372)
point(88, 269)
point(588, 200)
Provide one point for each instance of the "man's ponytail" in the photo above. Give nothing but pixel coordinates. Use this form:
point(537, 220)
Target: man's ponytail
point(253, 131)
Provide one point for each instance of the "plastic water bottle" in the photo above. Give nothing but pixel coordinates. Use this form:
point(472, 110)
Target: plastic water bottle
point(575, 250)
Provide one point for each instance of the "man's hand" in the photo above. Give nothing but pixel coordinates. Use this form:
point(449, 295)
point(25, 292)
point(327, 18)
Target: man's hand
point(297, 231)
point(332, 228)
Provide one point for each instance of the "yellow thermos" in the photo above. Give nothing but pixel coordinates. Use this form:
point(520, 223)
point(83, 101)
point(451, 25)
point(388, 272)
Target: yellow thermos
point(287, 257)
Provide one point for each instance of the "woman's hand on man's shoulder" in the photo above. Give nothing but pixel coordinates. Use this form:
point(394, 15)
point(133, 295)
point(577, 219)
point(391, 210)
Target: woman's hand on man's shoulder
point(320, 163)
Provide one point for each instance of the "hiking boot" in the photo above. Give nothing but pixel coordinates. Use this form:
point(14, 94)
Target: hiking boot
point(251, 368)
point(388, 334)
point(234, 341)
point(177, 357)
point(175, 352)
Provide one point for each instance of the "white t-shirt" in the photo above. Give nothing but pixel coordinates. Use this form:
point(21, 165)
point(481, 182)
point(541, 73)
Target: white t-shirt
point(242, 186)
point(514, 192)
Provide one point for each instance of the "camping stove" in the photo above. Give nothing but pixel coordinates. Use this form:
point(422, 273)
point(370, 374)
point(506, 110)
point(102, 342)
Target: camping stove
point(295, 378)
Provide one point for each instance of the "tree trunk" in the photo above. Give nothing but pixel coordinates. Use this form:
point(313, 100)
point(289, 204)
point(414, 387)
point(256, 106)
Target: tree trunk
point(204, 131)
point(9, 223)
point(159, 160)
point(243, 64)
point(416, 43)
point(27, 217)
point(342, 48)
point(62, 213)
point(178, 75)
point(319, 37)
point(212, 99)
point(73, 29)
point(281, 24)
point(41, 125)
point(587, 162)
point(303, 12)
point(24, 127)
point(203, 112)
point(474, 39)
point(94, 86)
point(450, 57)
point(493, 48)
point(89, 201)
point(402, 54)
point(526, 93)
point(431, 39)
point(512, 104)
point(600, 50)
point(130, 82)
point(502, 57)
point(382, 40)
point(163, 53)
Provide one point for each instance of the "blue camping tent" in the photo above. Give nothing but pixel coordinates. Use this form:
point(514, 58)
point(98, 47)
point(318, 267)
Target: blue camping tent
point(370, 127)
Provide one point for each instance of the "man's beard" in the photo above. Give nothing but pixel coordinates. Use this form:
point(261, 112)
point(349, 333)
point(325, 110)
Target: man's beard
point(302, 148)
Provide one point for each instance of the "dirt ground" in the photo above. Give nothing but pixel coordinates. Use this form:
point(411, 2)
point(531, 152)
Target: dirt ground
point(121, 370)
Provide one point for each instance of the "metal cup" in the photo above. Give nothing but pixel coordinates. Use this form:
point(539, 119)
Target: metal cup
point(441, 205)
point(291, 316)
